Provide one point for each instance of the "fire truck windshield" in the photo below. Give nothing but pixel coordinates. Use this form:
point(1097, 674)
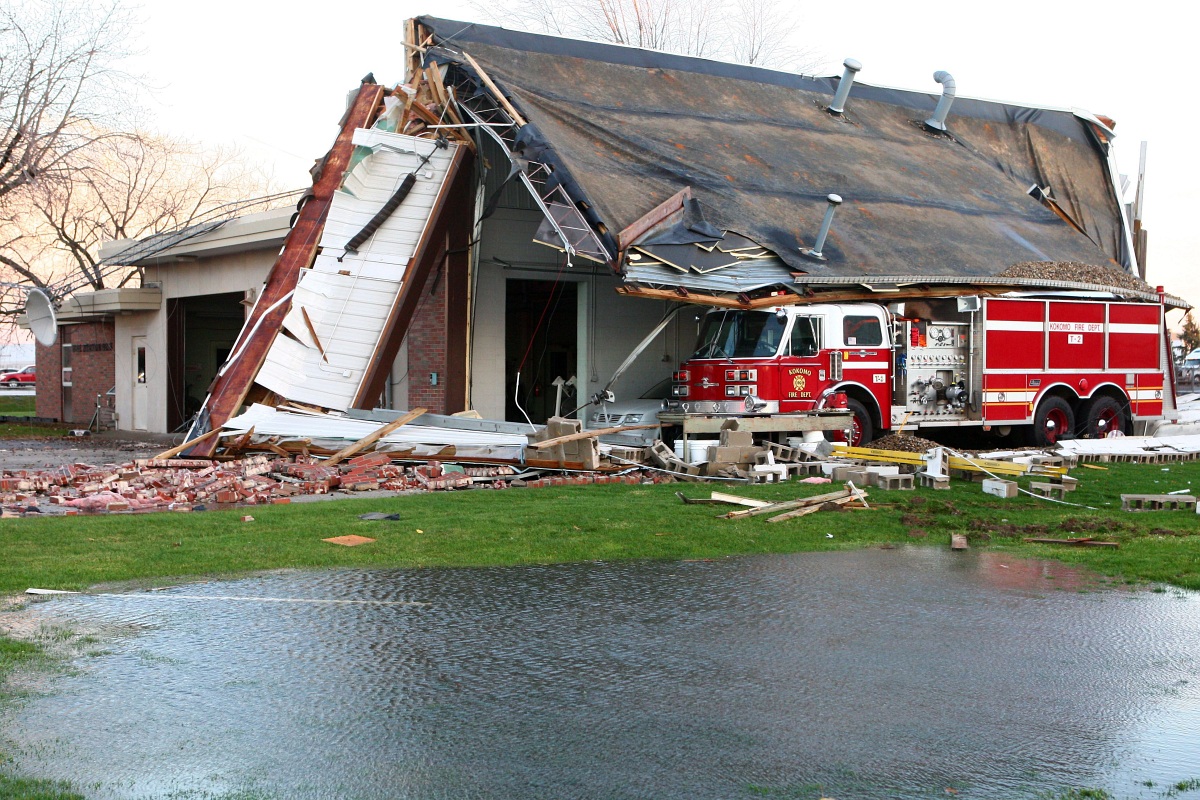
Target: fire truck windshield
point(740, 334)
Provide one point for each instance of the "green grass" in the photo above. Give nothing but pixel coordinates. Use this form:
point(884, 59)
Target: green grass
point(17, 405)
point(607, 522)
point(32, 430)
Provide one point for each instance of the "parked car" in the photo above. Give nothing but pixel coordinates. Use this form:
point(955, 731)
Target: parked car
point(26, 377)
point(641, 411)
point(1189, 368)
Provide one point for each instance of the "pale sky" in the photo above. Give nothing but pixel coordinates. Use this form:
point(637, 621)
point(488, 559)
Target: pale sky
point(273, 76)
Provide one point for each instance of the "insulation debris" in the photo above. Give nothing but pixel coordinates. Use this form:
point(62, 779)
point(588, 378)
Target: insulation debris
point(1077, 272)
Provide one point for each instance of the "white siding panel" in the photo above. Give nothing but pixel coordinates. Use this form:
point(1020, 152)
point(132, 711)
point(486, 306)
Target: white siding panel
point(349, 311)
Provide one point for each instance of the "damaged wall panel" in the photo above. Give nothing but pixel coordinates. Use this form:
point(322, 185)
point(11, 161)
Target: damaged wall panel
point(341, 305)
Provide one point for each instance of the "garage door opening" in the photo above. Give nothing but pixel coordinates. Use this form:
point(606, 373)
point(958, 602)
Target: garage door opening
point(541, 344)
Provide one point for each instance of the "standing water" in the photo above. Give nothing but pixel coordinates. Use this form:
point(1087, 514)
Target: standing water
point(908, 673)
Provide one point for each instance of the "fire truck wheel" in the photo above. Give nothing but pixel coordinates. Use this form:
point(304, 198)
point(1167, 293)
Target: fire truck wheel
point(1102, 416)
point(863, 430)
point(1054, 419)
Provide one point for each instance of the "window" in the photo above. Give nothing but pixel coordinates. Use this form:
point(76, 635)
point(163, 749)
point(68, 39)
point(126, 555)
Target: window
point(141, 365)
point(804, 340)
point(740, 334)
point(862, 332)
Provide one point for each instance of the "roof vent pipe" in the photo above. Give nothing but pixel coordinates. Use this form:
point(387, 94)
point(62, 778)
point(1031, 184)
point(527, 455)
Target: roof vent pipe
point(815, 252)
point(938, 120)
point(843, 91)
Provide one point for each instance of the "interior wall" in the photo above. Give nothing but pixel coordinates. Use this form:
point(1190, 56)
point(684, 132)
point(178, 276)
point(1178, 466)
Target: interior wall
point(610, 325)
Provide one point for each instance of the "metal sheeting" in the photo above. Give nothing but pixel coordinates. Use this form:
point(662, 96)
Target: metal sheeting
point(757, 274)
point(346, 298)
point(338, 430)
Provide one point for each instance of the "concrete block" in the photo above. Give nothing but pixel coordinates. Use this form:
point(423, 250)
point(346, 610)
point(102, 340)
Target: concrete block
point(1047, 489)
point(999, 488)
point(731, 438)
point(934, 481)
point(894, 482)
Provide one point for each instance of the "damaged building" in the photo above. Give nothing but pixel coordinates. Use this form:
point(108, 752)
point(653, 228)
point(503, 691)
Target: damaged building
point(499, 231)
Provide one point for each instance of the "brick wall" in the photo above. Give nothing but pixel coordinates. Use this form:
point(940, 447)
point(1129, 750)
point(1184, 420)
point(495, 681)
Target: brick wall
point(93, 371)
point(427, 347)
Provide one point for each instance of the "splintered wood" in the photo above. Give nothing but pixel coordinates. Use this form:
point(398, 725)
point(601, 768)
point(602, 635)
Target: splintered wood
point(851, 497)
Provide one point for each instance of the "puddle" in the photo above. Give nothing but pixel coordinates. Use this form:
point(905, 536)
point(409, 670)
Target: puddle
point(907, 673)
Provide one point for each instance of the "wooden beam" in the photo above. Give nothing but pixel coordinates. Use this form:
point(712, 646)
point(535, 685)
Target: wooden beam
point(500, 98)
point(230, 390)
point(373, 437)
point(592, 434)
point(179, 448)
point(655, 216)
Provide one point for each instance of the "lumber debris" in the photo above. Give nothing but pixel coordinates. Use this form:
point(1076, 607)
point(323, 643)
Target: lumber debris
point(374, 436)
point(588, 434)
point(806, 504)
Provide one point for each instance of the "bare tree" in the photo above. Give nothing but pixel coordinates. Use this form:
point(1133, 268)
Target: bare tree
point(74, 170)
point(57, 70)
point(123, 186)
point(749, 31)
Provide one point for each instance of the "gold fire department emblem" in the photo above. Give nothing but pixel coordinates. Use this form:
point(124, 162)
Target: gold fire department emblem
point(798, 383)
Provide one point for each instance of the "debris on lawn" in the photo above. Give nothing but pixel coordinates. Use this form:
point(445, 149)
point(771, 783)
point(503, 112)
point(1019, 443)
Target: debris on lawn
point(269, 455)
point(352, 540)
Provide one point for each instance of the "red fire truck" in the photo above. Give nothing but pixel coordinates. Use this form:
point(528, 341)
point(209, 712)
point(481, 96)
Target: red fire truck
point(1043, 367)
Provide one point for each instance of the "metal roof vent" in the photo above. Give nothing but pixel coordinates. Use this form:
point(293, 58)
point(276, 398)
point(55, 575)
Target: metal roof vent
point(938, 120)
point(843, 91)
point(815, 252)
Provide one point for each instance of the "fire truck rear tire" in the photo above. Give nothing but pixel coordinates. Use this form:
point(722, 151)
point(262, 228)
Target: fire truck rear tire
point(1053, 420)
point(1102, 416)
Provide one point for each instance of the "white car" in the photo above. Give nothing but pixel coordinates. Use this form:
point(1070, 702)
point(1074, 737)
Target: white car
point(641, 411)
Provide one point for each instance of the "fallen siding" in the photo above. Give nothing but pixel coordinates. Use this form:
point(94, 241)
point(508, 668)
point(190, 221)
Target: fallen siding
point(341, 304)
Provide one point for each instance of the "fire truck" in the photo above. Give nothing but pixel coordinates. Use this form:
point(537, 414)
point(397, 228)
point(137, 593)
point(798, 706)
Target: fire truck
point(1024, 367)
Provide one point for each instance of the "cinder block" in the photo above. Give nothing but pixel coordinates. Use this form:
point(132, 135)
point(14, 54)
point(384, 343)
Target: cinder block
point(1047, 489)
point(730, 438)
point(1000, 488)
point(894, 482)
point(934, 481)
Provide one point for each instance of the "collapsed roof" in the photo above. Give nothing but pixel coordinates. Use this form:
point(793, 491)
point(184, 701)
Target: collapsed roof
point(623, 130)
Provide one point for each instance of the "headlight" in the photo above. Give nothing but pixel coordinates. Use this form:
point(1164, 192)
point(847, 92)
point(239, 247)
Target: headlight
point(679, 391)
point(633, 419)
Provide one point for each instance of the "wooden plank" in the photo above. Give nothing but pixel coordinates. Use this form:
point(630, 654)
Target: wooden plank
point(698, 501)
point(179, 448)
point(815, 500)
point(655, 216)
point(1081, 542)
point(373, 437)
point(592, 434)
point(812, 509)
point(499, 95)
point(733, 499)
point(230, 390)
point(312, 331)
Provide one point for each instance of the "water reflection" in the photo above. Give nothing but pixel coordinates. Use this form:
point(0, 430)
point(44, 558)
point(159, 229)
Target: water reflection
point(901, 673)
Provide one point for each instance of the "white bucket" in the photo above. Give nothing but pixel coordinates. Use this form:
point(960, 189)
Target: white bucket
point(698, 449)
point(679, 449)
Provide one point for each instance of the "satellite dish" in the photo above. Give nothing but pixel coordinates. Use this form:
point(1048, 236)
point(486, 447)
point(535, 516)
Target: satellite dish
point(39, 309)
